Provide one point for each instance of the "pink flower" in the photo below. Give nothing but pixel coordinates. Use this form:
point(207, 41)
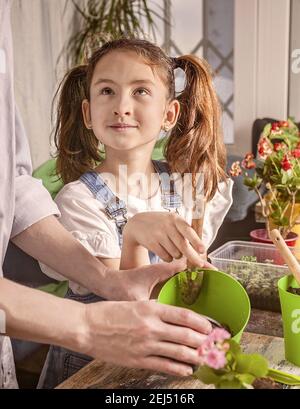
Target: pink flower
point(215, 359)
point(206, 346)
point(248, 162)
point(235, 169)
point(212, 351)
point(225, 346)
point(219, 335)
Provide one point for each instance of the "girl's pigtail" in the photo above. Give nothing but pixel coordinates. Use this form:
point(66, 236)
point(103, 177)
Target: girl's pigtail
point(77, 146)
point(196, 143)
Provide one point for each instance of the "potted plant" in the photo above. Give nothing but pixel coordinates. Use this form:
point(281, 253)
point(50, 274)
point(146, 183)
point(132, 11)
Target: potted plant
point(277, 171)
point(223, 364)
point(98, 20)
point(221, 297)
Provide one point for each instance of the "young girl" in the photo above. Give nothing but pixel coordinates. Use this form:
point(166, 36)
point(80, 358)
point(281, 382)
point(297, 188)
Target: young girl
point(122, 99)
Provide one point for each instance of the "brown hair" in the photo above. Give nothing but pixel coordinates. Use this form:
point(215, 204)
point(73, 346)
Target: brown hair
point(194, 144)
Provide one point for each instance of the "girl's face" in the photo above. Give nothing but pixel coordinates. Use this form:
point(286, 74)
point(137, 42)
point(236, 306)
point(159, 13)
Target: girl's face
point(128, 102)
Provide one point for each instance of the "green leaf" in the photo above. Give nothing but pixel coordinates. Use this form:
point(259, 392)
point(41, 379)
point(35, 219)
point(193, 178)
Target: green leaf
point(284, 177)
point(266, 131)
point(253, 364)
point(207, 375)
point(235, 348)
point(251, 259)
point(190, 283)
point(246, 378)
point(283, 377)
point(252, 182)
point(234, 384)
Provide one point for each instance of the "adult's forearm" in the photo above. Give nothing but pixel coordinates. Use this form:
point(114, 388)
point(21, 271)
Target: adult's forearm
point(37, 316)
point(49, 242)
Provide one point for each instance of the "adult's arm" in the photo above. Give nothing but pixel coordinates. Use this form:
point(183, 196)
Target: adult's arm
point(49, 242)
point(141, 334)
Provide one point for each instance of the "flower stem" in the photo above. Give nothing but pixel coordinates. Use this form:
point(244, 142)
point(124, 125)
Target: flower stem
point(283, 377)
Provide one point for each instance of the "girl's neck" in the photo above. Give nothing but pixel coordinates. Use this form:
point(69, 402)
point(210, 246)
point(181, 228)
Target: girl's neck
point(125, 169)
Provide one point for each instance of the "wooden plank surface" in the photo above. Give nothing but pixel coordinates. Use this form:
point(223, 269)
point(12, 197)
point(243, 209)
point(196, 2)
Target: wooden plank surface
point(101, 375)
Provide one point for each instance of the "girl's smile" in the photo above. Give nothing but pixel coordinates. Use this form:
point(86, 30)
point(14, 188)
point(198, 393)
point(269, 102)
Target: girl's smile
point(122, 127)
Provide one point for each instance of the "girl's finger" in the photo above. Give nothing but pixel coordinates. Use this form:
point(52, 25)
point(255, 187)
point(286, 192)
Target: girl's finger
point(167, 243)
point(162, 253)
point(188, 251)
point(189, 233)
point(206, 264)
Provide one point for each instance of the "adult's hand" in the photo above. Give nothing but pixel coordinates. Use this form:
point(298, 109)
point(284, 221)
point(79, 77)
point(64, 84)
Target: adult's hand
point(145, 334)
point(138, 283)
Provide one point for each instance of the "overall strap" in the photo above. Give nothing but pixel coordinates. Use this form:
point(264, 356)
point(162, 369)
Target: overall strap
point(114, 207)
point(169, 198)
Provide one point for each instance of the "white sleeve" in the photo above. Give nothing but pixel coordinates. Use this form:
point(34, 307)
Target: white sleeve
point(83, 217)
point(216, 210)
point(32, 201)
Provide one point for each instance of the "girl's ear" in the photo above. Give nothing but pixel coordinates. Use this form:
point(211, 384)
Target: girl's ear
point(171, 115)
point(85, 106)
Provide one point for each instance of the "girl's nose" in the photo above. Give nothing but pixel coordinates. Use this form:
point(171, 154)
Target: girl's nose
point(123, 107)
point(119, 112)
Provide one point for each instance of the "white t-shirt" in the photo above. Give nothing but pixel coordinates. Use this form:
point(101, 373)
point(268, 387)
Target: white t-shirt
point(84, 216)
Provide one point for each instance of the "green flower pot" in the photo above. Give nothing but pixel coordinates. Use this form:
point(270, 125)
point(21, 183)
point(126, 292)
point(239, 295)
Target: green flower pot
point(221, 297)
point(290, 309)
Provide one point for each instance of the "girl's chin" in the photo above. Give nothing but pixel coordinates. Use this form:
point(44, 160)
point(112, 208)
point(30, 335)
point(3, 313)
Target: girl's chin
point(128, 144)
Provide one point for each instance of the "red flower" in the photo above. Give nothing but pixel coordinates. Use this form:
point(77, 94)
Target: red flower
point(286, 164)
point(278, 146)
point(284, 124)
point(248, 162)
point(296, 153)
point(264, 148)
point(275, 126)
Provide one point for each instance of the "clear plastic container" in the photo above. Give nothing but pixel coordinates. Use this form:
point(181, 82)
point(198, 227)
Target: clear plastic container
point(257, 267)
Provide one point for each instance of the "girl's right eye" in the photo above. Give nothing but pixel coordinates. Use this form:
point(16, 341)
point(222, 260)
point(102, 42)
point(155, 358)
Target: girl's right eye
point(106, 91)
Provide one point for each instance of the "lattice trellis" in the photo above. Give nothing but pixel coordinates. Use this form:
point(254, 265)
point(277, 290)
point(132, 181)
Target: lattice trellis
point(205, 45)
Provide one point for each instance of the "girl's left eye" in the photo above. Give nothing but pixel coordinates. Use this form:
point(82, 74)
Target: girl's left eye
point(142, 91)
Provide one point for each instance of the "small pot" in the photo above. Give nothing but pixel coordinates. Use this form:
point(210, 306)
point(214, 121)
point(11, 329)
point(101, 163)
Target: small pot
point(221, 297)
point(290, 308)
point(261, 236)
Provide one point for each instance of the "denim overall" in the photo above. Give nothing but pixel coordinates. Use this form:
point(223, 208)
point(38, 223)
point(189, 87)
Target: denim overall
point(61, 363)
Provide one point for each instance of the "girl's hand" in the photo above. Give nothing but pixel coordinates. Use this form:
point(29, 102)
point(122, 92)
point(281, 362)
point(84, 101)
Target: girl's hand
point(166, 234)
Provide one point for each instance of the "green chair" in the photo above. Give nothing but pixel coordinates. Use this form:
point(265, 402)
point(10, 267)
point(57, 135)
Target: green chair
point(47, 173)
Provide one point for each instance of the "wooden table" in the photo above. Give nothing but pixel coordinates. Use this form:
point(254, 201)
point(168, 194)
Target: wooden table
point(264, 335)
